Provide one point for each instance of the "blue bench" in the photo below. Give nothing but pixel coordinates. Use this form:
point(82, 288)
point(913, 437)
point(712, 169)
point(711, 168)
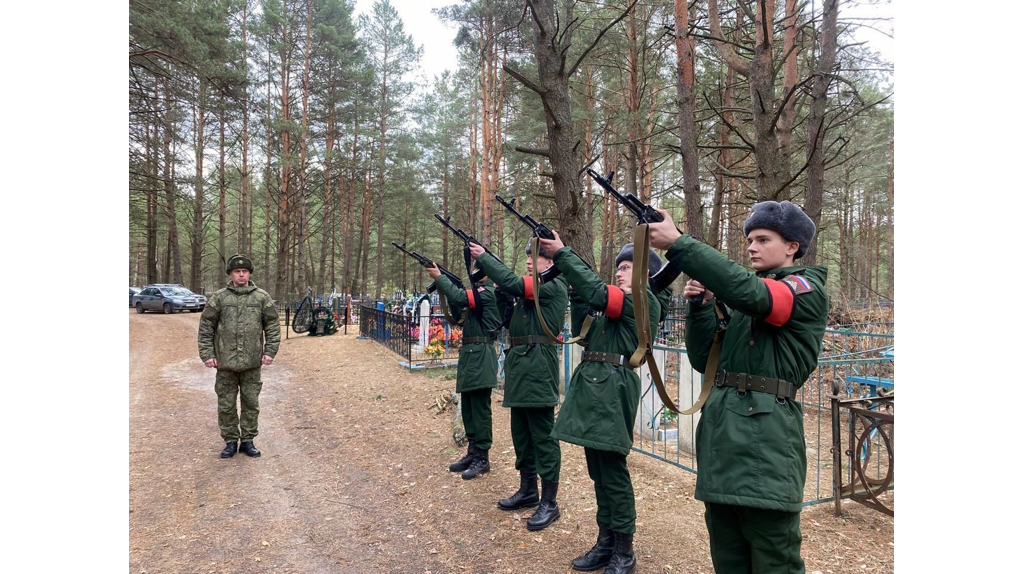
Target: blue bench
point(872, 382)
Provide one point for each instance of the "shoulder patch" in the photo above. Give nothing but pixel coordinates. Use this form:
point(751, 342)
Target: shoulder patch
point(798, 284)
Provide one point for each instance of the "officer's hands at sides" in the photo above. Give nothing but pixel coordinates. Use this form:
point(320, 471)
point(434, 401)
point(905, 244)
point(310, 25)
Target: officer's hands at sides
point(663, 233)
point(211, 363)
point(694, 288)
point(551, 246)
point(267, 360)
point(433, 271)
point(475, 250)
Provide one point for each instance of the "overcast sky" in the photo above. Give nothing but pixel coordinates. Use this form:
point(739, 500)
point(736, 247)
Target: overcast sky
point(439, 53)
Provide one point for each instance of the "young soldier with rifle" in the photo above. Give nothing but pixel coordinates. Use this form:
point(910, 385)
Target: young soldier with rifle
point(603, 396)
point(751, 456)
point(478, 365)
point(531, 382)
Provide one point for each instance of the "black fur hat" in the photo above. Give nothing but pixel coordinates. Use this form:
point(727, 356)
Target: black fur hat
point(542, 252)
point(785, 218)
point(653, 263)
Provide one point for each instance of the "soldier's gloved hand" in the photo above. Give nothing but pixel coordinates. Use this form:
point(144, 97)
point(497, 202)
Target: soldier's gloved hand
point(433, 271)
point(475, 250)
point(211, 363)
point(268, 360)
point(694, 288)
point(663, 233)
point(551, 246)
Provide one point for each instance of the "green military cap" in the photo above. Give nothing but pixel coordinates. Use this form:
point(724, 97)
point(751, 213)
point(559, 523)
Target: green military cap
point(239, 262)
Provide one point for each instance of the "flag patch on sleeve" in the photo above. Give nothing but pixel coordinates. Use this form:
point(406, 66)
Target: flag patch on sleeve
point(798, 284)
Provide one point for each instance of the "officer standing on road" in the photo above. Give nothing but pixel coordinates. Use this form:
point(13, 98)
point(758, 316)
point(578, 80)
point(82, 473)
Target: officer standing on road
point(531, 384)
point(604, 394)
point(478, 367)
point(751, 456)
point(238, 333)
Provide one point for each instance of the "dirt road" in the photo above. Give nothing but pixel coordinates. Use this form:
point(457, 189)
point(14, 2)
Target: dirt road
point(353, 478)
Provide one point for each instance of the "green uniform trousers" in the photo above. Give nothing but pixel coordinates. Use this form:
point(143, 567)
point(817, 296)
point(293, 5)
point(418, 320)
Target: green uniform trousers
point(616, 503)
point(476, 417)
point(746, 540)
point(228, 385)
point(536, 449)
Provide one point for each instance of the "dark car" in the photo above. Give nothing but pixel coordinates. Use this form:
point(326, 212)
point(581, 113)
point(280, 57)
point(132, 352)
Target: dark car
point(168, 298)
point(132, 292)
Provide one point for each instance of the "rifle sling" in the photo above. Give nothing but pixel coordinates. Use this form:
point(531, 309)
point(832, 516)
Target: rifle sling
point(447, 314)
point(641, 313)
point(534, 249)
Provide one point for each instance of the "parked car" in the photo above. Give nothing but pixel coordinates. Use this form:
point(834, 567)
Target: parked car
point(132, 292)
point(168, 298)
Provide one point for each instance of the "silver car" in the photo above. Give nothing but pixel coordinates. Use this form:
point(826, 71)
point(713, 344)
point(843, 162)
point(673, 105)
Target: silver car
point(168, 298)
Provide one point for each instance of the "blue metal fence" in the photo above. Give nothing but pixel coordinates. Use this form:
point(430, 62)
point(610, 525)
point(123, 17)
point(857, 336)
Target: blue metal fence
point(861, 361)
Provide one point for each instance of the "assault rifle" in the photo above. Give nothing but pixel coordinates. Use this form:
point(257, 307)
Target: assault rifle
point(539, 230)
point(426, 262)
point(466, 238)
point(644, 213)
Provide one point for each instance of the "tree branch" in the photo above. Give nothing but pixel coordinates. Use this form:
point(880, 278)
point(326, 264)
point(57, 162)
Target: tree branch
point(726, 122)
point(534, 151)
point(576, 66)
point(524, 80)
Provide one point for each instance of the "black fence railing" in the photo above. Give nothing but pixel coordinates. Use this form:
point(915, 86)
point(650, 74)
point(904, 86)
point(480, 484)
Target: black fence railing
point(420, 341)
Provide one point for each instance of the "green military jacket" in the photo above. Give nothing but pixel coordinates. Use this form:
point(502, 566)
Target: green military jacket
point(238, 326)
point(750, 448)
point(478, 362)
point(531, 371)
point(601, 403)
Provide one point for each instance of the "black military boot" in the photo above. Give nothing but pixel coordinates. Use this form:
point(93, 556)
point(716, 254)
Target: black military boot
point(463, 463)
point(623, 560)
point(229, 450)
point(598, 556)
point(249, 449)
point(526, 496)
point(481, 463)
point(547, 512)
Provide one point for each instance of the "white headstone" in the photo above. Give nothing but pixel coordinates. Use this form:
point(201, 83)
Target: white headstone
point(424, 322)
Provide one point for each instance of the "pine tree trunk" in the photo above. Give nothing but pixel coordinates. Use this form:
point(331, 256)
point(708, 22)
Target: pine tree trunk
point(196, 269)
point(816, 123)
point(551, 44)
point(173, 252)
point(222, 206)
point(284, 226)
point(244, 219)
point(687, 125)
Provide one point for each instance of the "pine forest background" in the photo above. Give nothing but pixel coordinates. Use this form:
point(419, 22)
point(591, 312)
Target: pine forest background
point(296, 132)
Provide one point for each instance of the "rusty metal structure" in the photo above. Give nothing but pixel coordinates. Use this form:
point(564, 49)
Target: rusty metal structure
point(869, 452)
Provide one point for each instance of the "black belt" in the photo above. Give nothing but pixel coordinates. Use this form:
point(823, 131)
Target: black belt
point(610, 358)
point(532, 340)
point(474, 340)
point(744, 382)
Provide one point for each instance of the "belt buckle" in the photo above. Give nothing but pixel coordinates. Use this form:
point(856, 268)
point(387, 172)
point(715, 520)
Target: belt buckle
point(720, 379)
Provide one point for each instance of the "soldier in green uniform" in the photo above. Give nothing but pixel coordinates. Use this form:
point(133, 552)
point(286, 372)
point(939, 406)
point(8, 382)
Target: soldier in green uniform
point(478, 367)
point(751, 455)
point(602, 400)
point(238, 333)
point(531, 384)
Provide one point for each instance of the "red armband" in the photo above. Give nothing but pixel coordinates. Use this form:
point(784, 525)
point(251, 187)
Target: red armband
point(528, 286)
point(613, 310)
point(782, 299)
point(472, 299)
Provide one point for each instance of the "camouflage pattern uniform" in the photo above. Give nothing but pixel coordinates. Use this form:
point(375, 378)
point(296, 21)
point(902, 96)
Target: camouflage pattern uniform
point(238, 327)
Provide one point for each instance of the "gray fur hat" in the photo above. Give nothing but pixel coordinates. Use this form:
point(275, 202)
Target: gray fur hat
point(785, 218)
point(542, 252)
point(653, 263)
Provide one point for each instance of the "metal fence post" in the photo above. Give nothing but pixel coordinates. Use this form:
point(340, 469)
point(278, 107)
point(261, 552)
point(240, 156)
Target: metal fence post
point(287, 320)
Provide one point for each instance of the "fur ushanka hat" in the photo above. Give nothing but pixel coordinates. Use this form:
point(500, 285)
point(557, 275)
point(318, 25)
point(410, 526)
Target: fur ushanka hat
point(785, 218)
